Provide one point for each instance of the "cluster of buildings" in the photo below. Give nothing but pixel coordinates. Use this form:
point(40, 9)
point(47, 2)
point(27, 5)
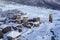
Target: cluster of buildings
point(10, 25)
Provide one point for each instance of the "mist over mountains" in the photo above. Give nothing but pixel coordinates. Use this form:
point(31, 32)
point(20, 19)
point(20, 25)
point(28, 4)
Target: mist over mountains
point(53, 4)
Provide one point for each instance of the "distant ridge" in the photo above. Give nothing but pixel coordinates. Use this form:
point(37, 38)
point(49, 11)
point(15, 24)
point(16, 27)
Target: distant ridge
point(53, 4)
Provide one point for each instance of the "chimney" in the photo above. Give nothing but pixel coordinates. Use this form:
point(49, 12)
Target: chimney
point(25, 19)
point(18, 16)
point(50, 18)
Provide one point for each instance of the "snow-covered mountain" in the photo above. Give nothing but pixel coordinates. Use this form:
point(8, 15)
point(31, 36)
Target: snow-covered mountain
point(54, 4)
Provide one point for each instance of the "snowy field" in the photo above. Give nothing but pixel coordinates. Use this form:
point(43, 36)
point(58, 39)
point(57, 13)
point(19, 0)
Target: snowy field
point(43, 31)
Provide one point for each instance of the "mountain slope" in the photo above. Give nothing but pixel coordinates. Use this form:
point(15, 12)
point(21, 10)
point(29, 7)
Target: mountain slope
point(54, 4)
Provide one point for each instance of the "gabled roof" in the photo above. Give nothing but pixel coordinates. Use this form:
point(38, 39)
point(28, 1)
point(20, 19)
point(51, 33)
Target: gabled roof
point(14, 34)
point(4, 26)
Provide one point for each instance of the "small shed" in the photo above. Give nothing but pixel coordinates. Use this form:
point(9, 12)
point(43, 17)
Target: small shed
point(5, 28)
point(36, 24)
point(14, 35)
point(1, 33)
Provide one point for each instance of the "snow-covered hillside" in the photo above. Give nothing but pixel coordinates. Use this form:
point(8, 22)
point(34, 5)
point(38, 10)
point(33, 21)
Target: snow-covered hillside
point(54, 4)
point(46, 30)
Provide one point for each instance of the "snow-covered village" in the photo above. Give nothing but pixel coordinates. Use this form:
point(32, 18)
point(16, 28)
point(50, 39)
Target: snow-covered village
point(26, 22)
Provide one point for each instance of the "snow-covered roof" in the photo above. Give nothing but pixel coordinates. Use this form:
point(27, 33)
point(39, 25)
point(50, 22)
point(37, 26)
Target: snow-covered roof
point(36, 22)
point(14, 24)
point(4, 26)
point(1, 39)
point(14, 34)
point(2, 18)
point(24, 15)
point(1, 22)
point(17, 14)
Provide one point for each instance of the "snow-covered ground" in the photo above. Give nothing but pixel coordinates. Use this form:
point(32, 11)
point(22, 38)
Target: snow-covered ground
point(43, 31)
